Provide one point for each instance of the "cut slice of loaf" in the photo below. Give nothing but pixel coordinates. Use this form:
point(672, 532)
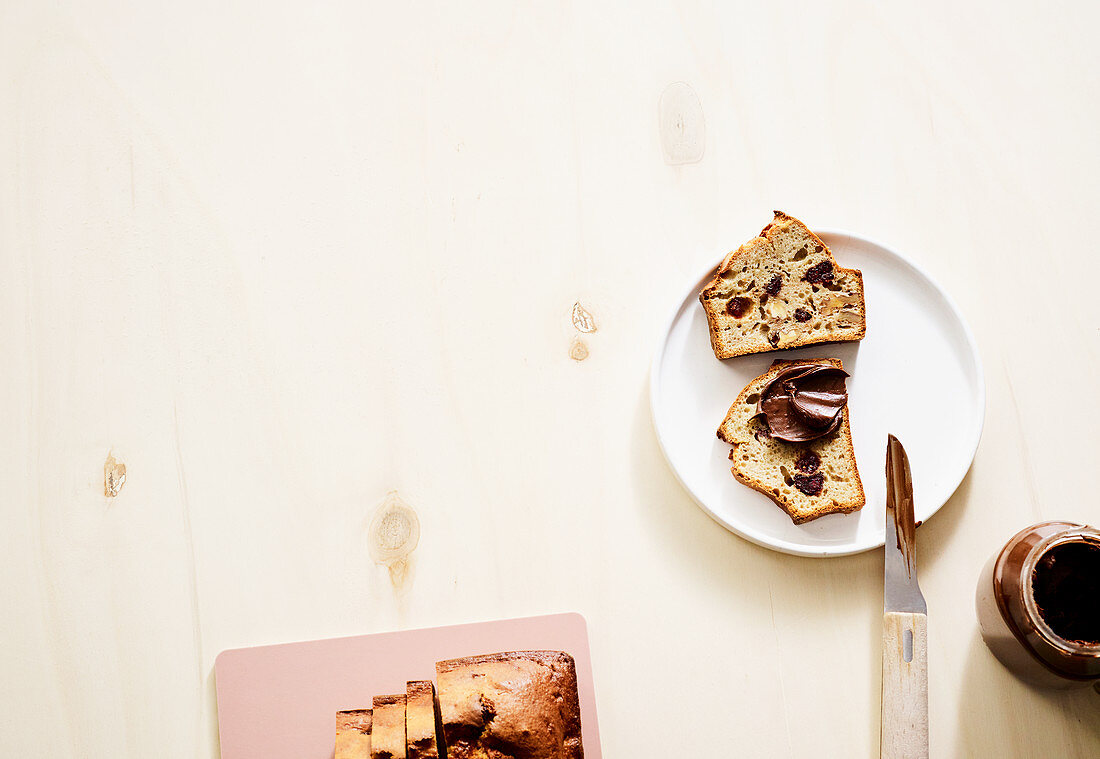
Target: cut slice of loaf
point(769, 465)
point(782, 289)
point(388, 728)
point(423, 729)
point(353, 729)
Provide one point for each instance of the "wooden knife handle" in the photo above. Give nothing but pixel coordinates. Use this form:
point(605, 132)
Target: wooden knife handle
point(904, 686)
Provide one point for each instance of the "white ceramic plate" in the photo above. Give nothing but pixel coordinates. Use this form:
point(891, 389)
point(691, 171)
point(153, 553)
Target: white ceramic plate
point(917, 375)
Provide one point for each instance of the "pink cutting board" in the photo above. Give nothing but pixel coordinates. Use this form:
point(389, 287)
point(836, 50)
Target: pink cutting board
point(281, 701)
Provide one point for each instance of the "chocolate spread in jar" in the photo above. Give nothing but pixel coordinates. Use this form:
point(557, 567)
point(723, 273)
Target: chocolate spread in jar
point(1066, 585)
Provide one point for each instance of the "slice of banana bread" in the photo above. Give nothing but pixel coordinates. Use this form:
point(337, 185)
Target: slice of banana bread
point(782, 289)
point(353, 729)
point(423, 729)
point(515, 705)
point(792, 440)
point(388, 728)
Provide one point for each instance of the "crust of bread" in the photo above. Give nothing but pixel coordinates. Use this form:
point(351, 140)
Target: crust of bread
point(731, 430)
point(354, 719)
point(711, 296)
point(542, 657)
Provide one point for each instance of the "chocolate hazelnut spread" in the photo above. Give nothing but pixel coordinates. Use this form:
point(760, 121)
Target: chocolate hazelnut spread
point(803, 402)
point(1066, 584)
point(1038, 603)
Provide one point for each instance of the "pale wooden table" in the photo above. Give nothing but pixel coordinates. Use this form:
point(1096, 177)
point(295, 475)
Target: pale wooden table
point(282, 260)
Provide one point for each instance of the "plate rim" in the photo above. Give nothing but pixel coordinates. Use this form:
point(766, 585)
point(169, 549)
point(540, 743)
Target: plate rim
point(784, 546)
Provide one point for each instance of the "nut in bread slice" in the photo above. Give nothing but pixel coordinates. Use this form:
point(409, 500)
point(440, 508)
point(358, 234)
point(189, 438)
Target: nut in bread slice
point(782, 289)
point(807, 480)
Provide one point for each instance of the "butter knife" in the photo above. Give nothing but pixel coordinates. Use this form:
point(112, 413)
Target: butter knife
point(904, 622)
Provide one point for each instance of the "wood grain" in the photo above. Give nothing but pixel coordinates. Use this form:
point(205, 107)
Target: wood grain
point(904, 686)
point(281, 259)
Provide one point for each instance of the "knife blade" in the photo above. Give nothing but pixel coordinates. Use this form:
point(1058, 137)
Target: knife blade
point(904, 622)
point(902, 590)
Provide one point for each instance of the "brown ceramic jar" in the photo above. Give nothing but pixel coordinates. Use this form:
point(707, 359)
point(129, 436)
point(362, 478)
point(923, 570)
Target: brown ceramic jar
point(1038, 604)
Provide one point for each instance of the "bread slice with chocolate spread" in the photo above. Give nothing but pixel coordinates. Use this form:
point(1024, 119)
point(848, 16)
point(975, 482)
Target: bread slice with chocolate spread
point(806, 478)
